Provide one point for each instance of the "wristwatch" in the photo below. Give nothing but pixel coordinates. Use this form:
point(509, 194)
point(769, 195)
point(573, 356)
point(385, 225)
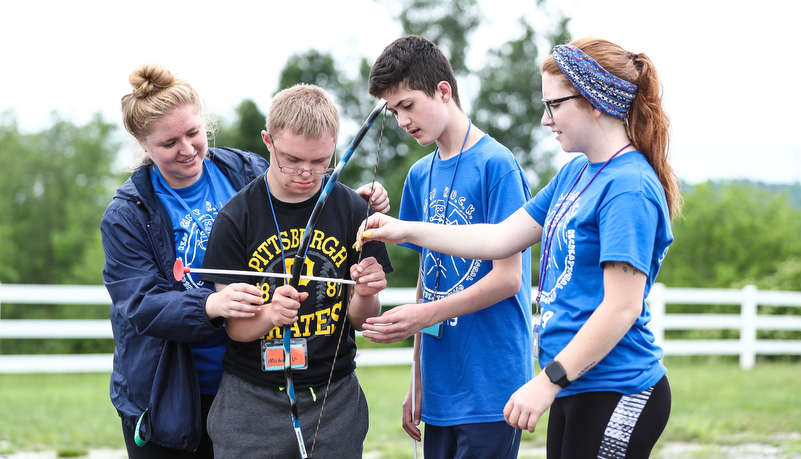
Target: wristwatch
point(556, 374)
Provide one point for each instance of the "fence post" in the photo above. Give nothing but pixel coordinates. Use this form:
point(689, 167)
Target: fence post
point(656, 304)
point(748, 329)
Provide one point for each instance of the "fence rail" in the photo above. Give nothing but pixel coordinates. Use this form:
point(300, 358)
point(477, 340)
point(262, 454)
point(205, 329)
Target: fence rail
point(748, 322)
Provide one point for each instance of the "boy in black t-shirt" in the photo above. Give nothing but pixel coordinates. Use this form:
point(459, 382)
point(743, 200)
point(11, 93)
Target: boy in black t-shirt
point(260, 230)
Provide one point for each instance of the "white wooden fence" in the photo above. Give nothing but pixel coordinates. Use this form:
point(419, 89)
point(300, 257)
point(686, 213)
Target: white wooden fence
point(748, 321)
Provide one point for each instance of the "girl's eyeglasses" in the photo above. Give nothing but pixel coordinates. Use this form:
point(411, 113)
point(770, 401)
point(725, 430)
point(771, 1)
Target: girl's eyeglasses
point(549, 102)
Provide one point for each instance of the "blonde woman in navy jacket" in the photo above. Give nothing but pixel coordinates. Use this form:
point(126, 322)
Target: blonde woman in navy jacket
point(169, 335)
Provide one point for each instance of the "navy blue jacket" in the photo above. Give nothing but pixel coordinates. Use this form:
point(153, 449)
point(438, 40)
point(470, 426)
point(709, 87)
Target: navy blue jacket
point(153, 319)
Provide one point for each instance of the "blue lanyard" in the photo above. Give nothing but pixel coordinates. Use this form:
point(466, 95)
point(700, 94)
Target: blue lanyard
point(549, 234)
point(447, 200)
point(277, 229)
point(209, 183)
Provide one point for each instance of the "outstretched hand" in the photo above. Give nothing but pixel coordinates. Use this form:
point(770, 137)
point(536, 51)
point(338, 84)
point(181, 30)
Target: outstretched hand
point(380, 227)
point(395, 325)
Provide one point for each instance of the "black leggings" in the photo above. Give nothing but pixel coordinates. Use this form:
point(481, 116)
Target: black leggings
point(608, 424)
point(154, 451)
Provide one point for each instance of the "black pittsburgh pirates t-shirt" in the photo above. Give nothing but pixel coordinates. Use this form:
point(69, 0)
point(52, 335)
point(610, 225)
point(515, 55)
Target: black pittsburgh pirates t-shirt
point(244, 237)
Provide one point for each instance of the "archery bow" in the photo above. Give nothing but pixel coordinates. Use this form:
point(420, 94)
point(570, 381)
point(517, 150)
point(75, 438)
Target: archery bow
point(300, 259)
point(347, 305)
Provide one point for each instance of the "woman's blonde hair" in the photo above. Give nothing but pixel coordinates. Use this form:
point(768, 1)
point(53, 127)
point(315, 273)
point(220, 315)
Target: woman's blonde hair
point(157, 92)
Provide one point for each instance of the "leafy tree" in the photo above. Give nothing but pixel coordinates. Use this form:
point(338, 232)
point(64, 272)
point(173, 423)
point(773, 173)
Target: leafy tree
point(508, 104)
point(311, 67)
point(12, 167)
point(787, 276)
point(731, 235)
point(244, 132)
point(435, 20)
point(54, 187)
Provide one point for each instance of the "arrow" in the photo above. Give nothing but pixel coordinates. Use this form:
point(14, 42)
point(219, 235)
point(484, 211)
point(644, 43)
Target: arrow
point(178, 271)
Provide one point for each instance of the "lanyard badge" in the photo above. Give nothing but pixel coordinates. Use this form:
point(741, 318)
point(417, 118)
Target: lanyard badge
point(272, 354)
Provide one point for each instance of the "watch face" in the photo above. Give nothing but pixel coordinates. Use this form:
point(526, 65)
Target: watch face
point(557, 374)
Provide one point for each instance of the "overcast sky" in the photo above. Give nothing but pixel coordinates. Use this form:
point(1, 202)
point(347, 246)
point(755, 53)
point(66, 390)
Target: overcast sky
point(729, 72)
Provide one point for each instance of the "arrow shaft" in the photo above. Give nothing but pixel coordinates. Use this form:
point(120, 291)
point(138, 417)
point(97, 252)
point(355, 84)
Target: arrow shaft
point(258, 274)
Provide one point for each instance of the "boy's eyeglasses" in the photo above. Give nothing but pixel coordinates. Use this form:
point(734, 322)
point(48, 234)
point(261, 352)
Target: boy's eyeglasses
point(549, 102)
point(298, 170)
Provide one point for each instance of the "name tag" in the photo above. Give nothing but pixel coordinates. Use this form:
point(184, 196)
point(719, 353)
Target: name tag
point(434, 330)
point(272, 354)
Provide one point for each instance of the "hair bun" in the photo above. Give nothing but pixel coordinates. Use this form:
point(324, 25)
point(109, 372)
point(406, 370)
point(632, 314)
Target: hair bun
point(149, 79)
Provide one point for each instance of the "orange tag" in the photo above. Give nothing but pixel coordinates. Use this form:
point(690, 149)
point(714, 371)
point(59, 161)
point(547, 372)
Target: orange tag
point(273, 354)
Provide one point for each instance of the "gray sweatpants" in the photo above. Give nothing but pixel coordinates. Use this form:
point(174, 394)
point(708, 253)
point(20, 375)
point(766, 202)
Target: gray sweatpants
point(248, 421)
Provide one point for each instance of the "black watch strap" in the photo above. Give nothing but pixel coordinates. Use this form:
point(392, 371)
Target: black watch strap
point(556, 374)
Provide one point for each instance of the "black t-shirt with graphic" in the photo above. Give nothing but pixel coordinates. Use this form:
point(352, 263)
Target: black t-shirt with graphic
point(244, 237)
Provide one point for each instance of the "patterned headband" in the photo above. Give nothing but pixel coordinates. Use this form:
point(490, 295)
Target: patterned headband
point(606, 92)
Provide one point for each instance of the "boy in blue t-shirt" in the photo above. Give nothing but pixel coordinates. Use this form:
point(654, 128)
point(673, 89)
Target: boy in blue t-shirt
point(475, 315)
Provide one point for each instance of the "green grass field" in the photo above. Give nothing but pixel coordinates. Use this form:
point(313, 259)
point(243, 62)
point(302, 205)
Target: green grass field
point(713, 404)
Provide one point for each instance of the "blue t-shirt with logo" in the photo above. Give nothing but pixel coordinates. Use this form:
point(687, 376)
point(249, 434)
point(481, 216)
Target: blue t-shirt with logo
point(622, 216)
point(204, 199)
point(482, 358)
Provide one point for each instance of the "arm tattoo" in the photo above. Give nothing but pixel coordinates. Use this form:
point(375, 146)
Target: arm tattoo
point(626, 267)
point(586, 369)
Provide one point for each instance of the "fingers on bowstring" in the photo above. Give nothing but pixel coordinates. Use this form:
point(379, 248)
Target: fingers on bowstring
point(363, 233)
point(366, 230)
